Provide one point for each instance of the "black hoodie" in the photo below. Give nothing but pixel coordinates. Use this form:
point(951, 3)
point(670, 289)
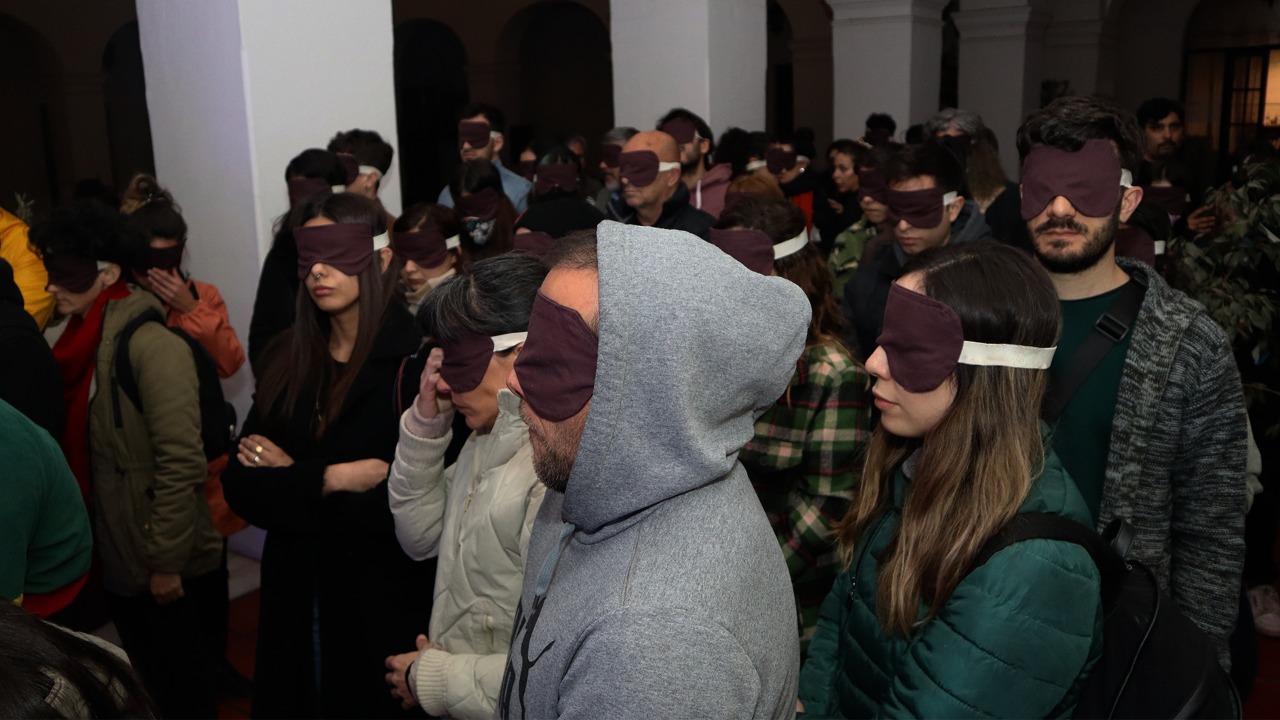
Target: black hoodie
point(677, 214)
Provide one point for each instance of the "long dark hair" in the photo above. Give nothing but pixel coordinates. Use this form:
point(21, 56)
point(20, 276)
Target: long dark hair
point(35, 654)
point(299, 363)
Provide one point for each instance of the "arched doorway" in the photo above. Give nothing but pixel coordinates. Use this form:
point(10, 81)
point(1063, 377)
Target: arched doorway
point(564, 58)
point(125, 92)
point(431, 87)
point(32, 122)
point(779, 84)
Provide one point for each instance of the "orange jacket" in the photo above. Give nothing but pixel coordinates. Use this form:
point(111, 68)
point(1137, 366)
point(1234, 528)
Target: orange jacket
point(28, 268)
point(209, 324)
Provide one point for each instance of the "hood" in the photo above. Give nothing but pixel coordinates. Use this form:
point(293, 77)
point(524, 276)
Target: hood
point(694, 347)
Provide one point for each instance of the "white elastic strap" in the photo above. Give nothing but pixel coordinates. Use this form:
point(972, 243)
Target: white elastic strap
point(338, 189)
point(1159, 246)
point(494, 134)
point(949, 198)
point(103, 265)
point(369, 169)
point(756, 165)
point(1126, 178)
point(1014, 356)
point(508, 341)
point(802, 157)
point(451, 243)
point(665, 166)
point(381, 241)
point(792, 246)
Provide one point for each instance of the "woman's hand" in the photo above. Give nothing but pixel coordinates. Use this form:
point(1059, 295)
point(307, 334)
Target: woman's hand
point(258, 451)
point(169, 286)
point(166, 587)
point(357, 476)
point(398, 675)
point(428, 404)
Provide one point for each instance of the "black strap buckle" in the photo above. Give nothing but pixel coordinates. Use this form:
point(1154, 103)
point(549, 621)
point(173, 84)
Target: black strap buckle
point(1113, 329)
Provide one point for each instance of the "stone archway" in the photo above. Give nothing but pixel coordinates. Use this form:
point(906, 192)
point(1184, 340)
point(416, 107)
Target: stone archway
point(431, 87)
point(561, 55)
point(125, 93)
point(33, 123)
point(805, 46)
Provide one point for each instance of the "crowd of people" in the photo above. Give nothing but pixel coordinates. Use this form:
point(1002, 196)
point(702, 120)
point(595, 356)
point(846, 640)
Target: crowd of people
point(701, 431)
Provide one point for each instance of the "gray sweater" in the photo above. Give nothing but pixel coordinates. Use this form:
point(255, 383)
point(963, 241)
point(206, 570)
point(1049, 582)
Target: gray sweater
point(655, 586)
point(1176, 468)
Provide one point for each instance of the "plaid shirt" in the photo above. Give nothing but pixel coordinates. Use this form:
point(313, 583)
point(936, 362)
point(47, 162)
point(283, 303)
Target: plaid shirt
point(805, 461)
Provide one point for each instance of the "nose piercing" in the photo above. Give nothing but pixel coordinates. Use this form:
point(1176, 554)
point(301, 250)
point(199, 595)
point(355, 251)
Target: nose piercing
point(316, 276)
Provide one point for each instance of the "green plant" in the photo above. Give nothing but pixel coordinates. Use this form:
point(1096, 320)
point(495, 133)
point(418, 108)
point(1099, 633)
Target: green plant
point(1235, 273)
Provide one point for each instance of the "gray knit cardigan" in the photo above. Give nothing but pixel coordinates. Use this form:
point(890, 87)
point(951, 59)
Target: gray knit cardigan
point(1176, 469)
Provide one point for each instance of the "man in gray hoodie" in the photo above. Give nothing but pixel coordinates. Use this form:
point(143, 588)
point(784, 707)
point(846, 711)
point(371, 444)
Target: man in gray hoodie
point(654, 586)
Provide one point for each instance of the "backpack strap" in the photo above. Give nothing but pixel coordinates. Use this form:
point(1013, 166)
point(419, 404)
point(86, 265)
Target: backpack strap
point(1112, 327)
point(123, 378)
point(1035, 525)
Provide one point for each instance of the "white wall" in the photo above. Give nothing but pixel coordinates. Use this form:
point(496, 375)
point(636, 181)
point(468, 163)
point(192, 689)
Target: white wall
point(235, 90)
point(705, 55)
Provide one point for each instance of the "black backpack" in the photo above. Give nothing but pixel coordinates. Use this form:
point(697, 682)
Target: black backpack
point(1156, 662)
point(217, 416)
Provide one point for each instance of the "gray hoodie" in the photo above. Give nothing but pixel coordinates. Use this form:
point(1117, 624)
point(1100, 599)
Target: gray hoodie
point(654, 585)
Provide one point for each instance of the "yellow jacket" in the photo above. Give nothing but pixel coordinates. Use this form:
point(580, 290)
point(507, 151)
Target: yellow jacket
point(28, 268)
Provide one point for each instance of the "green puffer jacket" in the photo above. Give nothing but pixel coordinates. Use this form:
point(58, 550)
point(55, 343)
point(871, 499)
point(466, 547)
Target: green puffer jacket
point(1015, 639)
point(149, 510)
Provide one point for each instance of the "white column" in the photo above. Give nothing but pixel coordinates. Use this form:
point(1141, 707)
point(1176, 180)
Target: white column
point(705, 55)
point(1001, 44)
point(235, 89)
point(886, 57)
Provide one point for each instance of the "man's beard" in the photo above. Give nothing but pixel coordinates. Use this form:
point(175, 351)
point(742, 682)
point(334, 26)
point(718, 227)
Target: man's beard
point(691, 166)
point(1095, 246)
point(553, 456)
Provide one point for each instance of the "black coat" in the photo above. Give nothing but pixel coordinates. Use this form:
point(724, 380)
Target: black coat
point(677, 214)
point(275, 303)
point(335, 558)
point(29, 377)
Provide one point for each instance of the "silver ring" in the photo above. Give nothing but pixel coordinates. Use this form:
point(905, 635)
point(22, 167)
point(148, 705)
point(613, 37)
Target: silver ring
point(257, 459)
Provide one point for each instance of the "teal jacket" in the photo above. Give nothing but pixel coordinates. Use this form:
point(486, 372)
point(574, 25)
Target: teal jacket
point(1015, 639)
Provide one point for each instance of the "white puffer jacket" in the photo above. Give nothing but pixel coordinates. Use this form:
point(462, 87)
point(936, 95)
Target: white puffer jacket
point(476, 516)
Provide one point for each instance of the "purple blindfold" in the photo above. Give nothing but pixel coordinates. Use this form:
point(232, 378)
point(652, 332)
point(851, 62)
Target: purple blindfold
point(557, 368)
point(609, 154)
point(473, 133)
point(302, 188)
point(426, 248)
point(556, 175)
point(535, 242)
point(482, 204)
point(345, 247)
point(682, 129)
point(872, 184)
point(350, 165)
point(779, 161)
point(528, 168)
point(641, 167)
point(920, 208)
point(1172, 200)
point(169, 258)
point(466, 358)
point(753, 248)
point(1089, 179)
point(71, 272)
point(923, 342)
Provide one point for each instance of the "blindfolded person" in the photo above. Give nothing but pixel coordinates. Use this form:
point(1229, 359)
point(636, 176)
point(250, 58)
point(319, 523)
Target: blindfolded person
point(909, 629)
point(476, 514)
point(428, 240)
point(338, 593)
point(652, 193)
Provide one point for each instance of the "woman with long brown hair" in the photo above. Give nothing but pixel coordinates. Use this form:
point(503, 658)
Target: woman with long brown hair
point(910, 628)
point(338, 593)
point(803, 459)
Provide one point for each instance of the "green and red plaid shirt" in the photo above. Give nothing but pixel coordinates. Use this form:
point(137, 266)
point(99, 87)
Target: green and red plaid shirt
point(805, 461)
